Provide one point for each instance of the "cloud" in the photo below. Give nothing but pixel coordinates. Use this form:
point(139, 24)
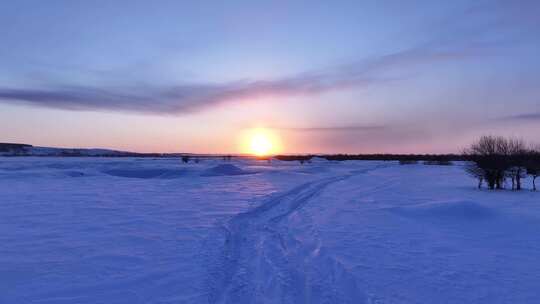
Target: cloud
point(347, 128)
point(361, 138)
point(522, 117)
point(192, 97)
point(483, 27)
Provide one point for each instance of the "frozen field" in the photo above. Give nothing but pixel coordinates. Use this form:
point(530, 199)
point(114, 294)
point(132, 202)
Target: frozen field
point(99, 230)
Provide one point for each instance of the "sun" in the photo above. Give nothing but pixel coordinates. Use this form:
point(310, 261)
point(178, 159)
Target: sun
point(260, 144)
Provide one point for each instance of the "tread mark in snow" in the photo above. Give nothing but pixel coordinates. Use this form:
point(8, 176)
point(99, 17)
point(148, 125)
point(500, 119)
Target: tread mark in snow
point(263, 262)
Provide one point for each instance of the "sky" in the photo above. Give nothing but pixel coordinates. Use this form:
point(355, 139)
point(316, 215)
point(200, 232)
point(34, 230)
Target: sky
point(319, 76)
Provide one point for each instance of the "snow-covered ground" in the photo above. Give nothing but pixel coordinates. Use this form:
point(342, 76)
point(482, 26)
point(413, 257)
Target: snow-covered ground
point(105, 230)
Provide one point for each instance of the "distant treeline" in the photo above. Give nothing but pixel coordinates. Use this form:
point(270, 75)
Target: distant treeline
point(493, 160)
point(433, 158)
point(300, 158)
point(7, 147)
point(397, 157)
point(16, 149)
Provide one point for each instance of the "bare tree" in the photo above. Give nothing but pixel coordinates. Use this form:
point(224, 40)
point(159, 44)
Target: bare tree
point(532, 165)
point(489, 153)
point(499, 158)
point(516, 174)
point(476, 172)
point(517, 151)
point(534, 172)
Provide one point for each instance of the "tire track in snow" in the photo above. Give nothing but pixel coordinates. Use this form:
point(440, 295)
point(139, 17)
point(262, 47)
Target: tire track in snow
point(264, 261)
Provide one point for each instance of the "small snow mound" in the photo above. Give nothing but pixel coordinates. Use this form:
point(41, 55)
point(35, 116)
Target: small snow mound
point(465, 210)
point(225, 169)
point(145, 173)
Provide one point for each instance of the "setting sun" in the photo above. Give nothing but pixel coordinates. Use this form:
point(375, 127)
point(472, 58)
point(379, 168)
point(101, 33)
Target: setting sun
point(260, 142)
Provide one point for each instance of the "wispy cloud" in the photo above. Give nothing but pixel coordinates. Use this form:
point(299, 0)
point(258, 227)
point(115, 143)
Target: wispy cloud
point(522, 117)
point(192, 97)
point(347, 128)
point(450, 41)
point(481, 26)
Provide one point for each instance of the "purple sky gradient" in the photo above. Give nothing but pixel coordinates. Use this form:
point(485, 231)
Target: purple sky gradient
point(328, 77)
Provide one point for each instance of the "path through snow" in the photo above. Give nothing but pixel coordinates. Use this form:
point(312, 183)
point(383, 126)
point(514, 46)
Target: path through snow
point(263, 261)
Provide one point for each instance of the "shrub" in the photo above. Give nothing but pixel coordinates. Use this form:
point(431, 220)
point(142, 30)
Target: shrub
point(532, 165)
point(498, 158)
point(476, 172)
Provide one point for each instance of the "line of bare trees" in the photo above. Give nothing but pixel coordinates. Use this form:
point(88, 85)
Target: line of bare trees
point(494, 160)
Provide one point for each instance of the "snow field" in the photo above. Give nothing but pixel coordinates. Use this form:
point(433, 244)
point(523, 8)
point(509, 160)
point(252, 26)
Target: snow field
point(102, 230)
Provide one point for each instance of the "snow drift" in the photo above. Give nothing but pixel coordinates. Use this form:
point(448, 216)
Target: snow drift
point(225, 169)
point(145, 173)
point(103, 230)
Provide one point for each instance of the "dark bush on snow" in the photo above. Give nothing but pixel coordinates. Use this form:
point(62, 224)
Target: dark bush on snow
point(475, 172)
point(532, 165)
point(494, 159)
